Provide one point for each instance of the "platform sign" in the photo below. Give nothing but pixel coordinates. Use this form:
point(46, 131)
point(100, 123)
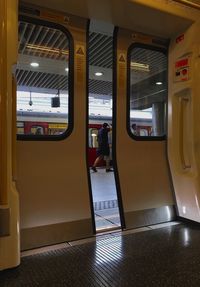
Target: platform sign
point(182, 69)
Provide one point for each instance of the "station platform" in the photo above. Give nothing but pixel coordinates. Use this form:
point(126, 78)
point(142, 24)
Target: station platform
point(164, 255)
point(105, 200)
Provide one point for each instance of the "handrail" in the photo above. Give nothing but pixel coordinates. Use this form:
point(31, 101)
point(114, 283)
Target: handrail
point(3, 106)
point(14, 128)
point(183, 102)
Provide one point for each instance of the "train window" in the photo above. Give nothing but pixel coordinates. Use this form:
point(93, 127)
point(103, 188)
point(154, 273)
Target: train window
point(147, 92)
point(93, 132)
point(42, 74)
point(93, 137)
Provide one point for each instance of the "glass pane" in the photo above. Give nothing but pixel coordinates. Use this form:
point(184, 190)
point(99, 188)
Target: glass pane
point(42, 80)
point(148, 92)
point(93, 143)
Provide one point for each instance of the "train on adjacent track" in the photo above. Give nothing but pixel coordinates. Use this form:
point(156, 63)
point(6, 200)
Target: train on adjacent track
point(50, 124)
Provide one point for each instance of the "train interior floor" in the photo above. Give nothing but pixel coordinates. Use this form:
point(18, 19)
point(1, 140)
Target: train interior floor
point(163, 255)
point(105, 200)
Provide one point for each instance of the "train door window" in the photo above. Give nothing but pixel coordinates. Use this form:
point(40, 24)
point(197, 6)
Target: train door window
point(20, 128)
point(147, 92)
point(93, 142)
point(37, 130)
point(42, 74)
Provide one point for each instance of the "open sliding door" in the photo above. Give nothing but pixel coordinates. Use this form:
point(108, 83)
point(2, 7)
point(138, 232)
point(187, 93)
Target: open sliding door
point(141, 96)
point(9, 200)
point(51, 126)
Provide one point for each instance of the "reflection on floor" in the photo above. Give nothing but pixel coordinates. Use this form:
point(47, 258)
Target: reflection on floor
point(164, 255)
point(105, 200)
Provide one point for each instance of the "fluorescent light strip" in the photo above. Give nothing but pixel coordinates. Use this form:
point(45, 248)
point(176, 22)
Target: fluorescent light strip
point(140, 66)
point(46, 49)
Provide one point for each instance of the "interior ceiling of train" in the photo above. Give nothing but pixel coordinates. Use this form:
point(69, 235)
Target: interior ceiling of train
point(138, 15)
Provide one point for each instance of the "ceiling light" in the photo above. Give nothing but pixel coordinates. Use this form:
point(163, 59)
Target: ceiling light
point(67, 69)
point(140, 67)
point(159, 83)
point(98, 74)
point(34, 64)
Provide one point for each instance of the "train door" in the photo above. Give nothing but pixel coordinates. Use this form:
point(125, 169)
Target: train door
point(51, 97)
point(100, 119)
point(9, 198)
point(140, 106)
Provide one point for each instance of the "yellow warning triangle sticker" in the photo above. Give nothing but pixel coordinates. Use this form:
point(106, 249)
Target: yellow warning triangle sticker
point(121, 58)
point(79, 51)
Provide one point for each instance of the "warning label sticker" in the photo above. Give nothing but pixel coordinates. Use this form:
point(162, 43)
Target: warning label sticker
point(80, 64)
point(80, 50)
point(122, 58)
point(122, 71)
point(182, 69)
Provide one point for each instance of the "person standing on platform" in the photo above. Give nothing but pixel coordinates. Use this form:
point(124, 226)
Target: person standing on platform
point(103, 151)
point(135, 130)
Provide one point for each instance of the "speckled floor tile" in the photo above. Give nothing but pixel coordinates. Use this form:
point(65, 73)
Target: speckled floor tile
point(164, 257)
